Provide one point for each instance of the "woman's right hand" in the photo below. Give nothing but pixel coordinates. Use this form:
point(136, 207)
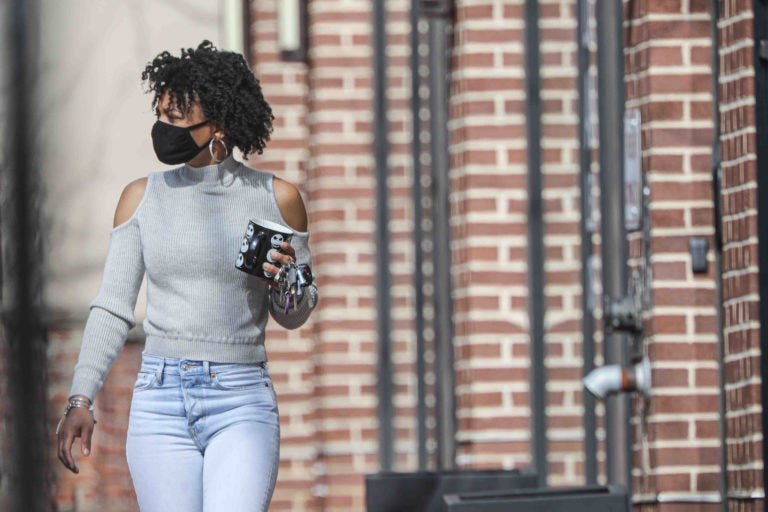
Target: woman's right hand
point(78, 423)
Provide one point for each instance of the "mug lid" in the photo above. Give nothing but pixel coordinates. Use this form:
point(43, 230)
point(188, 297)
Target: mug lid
point(274, 226)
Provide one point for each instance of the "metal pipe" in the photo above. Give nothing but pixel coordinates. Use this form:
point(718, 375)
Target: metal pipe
point(445, 403)
point(536, 307)
point(384, 386)
point(669, 497)
point(718, 243)
point(613, 235)
point(23, 307)
point(418, 251)
point(747, 495)
point(587, 296)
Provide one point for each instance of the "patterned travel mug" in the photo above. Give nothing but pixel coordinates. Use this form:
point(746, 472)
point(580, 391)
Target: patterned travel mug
point(261, 238)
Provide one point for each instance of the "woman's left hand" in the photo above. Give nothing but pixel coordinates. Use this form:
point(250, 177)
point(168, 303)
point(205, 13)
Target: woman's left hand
point(285, 258)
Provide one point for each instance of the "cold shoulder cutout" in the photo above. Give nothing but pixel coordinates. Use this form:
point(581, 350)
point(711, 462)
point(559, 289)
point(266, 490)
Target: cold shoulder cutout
point(129, 201)
point(290, 204)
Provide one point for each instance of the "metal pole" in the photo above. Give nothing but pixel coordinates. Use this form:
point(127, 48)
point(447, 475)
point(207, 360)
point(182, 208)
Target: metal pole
point(23, 272)
point(613, 235)
point(383, 281)
point(718, 236)
point(445, 403)
point(418, 251)
point(587, 297)
point(536, 305)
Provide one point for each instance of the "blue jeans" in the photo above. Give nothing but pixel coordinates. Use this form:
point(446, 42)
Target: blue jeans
point(203, 436)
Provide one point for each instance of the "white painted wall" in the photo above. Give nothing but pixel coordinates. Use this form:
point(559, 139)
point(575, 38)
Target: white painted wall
point(96, 120)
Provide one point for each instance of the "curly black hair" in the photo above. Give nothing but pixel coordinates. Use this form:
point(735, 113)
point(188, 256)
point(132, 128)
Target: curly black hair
point(229, 94)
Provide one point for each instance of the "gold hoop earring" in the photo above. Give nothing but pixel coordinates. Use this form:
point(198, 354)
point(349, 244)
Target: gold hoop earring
point(210, 149)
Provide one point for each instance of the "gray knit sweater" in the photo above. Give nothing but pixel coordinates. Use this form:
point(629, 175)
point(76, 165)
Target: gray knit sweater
point(185, 234)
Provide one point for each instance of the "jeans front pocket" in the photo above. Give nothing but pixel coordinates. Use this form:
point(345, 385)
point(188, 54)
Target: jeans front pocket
point(238, 377)
point(146, 379)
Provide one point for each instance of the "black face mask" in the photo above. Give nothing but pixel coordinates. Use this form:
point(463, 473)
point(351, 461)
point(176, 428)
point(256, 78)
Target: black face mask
point(174, 144)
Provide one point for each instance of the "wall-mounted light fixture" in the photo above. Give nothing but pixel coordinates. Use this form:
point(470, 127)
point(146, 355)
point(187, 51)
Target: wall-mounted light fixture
point(292, 37)
point(235, 26)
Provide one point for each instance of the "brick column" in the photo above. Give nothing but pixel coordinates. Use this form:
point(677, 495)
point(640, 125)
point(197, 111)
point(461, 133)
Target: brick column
point(323, 143)
point(292, 364)
point(740, 272)
point(676, 443)
point(489, 235)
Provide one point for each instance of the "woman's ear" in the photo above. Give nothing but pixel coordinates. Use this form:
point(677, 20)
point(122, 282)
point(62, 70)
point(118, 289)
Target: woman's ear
point(218, 132)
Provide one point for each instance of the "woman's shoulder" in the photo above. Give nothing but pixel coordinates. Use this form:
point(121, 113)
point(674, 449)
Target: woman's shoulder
point(290, 203)
point(287, 196)
point(129, 200)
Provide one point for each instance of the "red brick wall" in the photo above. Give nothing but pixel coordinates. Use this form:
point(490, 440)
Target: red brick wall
point(740, 294)
point(676, 446)
point(325, 372)
point(488, 201)
point(104, 482)
point(292, 366)
point(490, 236)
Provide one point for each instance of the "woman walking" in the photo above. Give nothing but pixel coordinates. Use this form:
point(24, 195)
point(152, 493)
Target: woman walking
point(203, 432)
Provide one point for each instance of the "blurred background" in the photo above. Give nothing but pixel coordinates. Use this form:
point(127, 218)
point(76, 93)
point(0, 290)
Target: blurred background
point(508, 200)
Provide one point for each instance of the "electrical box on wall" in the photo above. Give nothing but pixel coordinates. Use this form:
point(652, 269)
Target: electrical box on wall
point(698, 247)
point(633, 175)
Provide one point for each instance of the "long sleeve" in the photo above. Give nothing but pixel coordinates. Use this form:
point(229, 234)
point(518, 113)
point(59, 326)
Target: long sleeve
point(112, 311)
point(296, 317)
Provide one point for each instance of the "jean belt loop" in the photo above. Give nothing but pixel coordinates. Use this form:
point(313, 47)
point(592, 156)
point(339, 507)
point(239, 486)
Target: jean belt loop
point(207, 370)
point(160, 370)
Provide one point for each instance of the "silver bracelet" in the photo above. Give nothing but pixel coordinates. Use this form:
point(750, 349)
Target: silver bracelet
point(82, 403)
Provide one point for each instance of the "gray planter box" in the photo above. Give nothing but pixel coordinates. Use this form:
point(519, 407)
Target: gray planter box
point(423, 491)
point(583, 499)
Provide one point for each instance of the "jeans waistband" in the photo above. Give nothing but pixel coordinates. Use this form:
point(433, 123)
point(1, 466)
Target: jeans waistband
point(172, 365)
